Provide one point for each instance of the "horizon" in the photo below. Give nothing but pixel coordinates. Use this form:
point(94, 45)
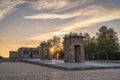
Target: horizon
point(25, 23)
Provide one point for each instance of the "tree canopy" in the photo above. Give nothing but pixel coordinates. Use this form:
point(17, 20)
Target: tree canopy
point(104, 43)
point(107, 41)
point(56, 45)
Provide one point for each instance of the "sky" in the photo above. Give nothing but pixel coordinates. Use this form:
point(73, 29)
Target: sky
point(25, 23)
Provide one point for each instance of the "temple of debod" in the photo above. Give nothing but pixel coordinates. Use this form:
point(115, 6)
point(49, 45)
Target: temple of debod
point(73, 50)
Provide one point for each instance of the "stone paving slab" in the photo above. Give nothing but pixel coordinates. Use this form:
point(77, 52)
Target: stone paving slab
point(88, 65)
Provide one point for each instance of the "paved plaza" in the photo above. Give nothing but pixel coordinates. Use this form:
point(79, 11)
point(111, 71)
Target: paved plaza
point(25, 71)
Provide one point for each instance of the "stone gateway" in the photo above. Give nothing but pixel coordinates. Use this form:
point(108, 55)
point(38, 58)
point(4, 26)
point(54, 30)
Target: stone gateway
point(74, 48)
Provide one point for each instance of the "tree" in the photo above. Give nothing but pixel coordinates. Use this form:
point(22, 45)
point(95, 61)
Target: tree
point(90, 46)
point(107, 41)
point(93, 47)
point(56, 45)
point(43, 42)
point(87, 45)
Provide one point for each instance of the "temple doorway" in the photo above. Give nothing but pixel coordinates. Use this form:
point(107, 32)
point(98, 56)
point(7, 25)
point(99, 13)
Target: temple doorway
point(77, 53)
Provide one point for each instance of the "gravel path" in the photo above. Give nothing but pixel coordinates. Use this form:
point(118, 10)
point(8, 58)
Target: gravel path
point(24, 71)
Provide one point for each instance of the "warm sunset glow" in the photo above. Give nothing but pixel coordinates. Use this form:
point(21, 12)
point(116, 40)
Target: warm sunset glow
point(52, 50)
point(25, 23)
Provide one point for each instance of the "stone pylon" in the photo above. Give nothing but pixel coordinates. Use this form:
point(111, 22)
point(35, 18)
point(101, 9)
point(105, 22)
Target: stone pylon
point(74, 48)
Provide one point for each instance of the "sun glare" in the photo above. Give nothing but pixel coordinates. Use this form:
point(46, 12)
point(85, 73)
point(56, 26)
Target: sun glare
point(52, 50)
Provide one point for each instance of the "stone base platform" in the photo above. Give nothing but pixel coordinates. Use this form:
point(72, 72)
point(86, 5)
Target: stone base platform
point(88, 65)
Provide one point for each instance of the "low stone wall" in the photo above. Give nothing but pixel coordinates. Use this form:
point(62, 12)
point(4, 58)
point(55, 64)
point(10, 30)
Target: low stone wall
point(75, 66)
point(11, 59)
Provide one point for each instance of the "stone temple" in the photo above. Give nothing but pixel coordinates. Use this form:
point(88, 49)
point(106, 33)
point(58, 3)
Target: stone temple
point(74, 48)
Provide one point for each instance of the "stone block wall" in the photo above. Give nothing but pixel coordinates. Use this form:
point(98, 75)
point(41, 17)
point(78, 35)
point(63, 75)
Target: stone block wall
point(74, 49)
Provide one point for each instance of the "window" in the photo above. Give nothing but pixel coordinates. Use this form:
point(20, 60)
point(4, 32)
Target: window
point(37, 52)
point(24, 52)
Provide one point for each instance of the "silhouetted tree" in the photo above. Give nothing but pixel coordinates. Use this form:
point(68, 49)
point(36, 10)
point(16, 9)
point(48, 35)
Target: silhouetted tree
point(56, 44)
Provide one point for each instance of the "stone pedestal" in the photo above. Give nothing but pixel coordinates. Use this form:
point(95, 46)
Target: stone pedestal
point(74, 49)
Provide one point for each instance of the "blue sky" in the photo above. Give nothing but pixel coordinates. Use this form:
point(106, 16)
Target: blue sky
point(28, 22)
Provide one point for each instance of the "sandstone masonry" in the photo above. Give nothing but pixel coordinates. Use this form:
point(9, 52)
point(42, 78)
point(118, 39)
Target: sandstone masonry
point(73, 48)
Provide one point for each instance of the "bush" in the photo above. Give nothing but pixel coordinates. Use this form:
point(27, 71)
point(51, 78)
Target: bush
point(111, 56)
point(114, 56)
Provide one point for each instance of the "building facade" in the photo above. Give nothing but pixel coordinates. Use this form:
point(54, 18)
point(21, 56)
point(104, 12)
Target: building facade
point(14, 54)
point(26, 52)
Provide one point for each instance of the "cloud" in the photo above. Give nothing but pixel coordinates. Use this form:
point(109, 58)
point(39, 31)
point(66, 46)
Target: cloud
point(89, 11)
point(8, 6)
point(56, 5)
point(48, 4)
point(46, 36)
point(90, 16)
point(50, 16)
point(87, 17)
